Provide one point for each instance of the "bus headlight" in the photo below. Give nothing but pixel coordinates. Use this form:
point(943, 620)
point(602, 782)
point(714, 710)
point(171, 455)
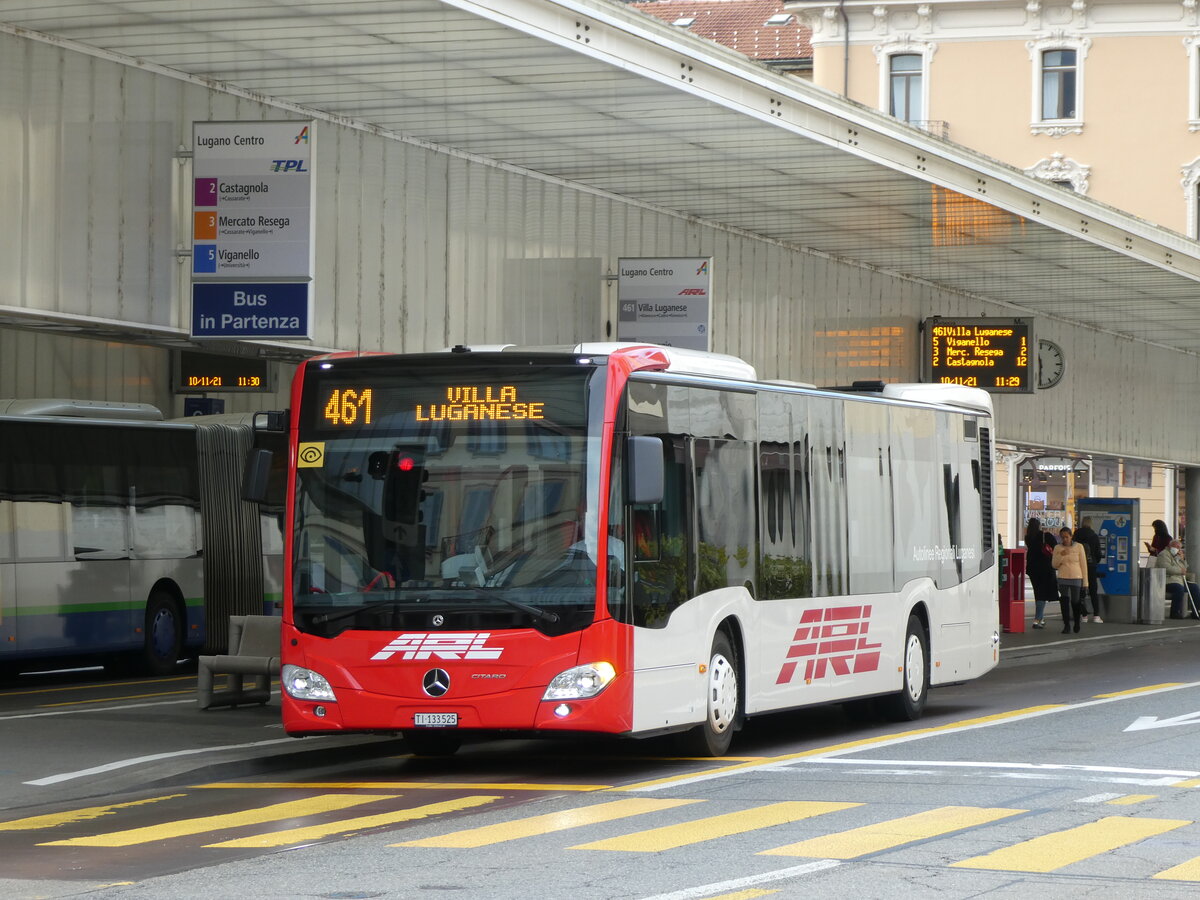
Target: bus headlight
point(305, 684)
point(580, 682)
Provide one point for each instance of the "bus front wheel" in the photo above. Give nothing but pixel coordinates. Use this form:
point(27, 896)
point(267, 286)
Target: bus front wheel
point(722, 700)
point(164, 634)
point(908, 703)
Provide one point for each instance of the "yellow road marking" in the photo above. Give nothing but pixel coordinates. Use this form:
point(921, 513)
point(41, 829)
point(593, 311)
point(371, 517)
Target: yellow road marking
point(671, 836)
point(1142, 690)
point(548, 823)
point(1188, 871)
point(1062, 848)
point(95, 686)
point(405, 786)
point(1190, 782)
point(113, 699)
point(54, 820)
point(316, 832)
point(289, 810)
point(850, 745)
point(1130, 799)
point(745, 895)
point(885, 835)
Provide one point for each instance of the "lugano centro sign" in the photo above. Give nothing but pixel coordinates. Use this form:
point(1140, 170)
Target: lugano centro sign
point(252, 230)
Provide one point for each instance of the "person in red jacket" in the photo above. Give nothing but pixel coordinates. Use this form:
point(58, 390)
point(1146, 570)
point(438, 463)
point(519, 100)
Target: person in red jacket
point(1161, 540)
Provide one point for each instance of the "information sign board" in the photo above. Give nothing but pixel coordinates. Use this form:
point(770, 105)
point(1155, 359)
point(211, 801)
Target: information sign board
point(665, 301)
point(198, 373)
point(992, 353)
point(252, 210)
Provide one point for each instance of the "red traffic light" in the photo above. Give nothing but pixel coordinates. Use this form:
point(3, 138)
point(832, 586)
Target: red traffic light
point(406, 463)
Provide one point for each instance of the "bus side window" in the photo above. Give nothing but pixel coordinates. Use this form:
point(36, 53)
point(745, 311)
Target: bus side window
point(645, 535)
point(661, 581)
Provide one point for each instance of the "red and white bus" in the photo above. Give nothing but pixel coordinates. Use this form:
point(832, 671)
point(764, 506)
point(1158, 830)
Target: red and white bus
point(625, 539)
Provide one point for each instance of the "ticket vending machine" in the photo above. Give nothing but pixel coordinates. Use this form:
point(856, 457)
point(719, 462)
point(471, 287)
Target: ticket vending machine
point(1115, 520)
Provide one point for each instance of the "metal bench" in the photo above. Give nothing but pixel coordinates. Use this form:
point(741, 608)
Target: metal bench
point(253, 652)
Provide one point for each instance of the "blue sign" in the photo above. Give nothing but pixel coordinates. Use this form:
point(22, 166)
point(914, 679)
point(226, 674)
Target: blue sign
point(204, 258)
point(203, 406)
point(254, 309)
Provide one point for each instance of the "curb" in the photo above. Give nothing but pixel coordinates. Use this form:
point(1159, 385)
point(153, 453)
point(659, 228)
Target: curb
point(1075, 646)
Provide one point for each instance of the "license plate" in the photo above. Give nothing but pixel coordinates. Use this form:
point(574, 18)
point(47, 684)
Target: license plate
point(435, 720)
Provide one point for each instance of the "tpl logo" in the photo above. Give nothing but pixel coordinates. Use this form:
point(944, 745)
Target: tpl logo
point(831, 640)
point(288, 165)
point(441, 645)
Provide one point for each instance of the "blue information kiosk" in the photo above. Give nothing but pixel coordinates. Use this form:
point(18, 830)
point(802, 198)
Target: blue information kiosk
point(1115, 520)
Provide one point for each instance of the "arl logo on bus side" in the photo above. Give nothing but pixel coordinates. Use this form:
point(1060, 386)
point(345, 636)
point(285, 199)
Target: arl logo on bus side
point(422, 645)
point(831, 640)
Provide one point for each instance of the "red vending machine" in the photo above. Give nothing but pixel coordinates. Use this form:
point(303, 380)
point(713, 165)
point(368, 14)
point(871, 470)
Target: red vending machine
point(1012, 591)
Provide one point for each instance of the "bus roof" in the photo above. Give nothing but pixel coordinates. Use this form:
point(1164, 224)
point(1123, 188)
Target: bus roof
point(81, 409)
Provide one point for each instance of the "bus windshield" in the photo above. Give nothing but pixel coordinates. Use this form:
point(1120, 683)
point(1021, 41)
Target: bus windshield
point(447, 498)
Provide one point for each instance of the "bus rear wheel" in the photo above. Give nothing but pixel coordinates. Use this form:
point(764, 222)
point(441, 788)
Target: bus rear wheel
point(908, 703)
point(722, 701)
point(164, 634)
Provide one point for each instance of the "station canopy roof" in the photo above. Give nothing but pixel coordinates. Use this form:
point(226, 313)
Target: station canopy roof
point(600, 95)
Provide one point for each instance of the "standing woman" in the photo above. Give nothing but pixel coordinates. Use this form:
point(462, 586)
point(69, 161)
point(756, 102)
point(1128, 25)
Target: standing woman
point(1071, 566)
point(1040, 572)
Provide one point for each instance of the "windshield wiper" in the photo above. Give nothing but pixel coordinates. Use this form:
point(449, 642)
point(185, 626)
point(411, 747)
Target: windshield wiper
point(543, 615)
point(323, 618)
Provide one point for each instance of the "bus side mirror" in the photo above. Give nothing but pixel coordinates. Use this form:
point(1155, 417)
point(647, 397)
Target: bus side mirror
point(270, 420)
point(256, 474)
point(645, 470)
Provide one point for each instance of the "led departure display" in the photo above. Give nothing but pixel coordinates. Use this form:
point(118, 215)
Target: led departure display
point(993, 354)
point(201, 372)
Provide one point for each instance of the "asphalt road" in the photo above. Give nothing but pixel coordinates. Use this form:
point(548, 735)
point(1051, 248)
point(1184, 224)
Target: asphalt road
point(1078, 777)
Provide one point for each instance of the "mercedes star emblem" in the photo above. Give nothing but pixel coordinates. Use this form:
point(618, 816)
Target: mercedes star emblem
point(439, 619)
point(436, 682)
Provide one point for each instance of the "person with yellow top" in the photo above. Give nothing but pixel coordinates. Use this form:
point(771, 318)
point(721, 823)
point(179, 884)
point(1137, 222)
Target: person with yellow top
point(1070, 563)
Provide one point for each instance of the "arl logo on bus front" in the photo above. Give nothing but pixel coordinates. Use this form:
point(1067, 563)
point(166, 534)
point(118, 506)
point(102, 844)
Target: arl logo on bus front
point(832, 640)
point(468, 645)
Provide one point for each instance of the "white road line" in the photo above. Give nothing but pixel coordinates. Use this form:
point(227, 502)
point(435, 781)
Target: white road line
point(935, 731)
point(1099, 798)
point(1079, 639)
point(728, 887)
point(125, 763)
point(94, 709)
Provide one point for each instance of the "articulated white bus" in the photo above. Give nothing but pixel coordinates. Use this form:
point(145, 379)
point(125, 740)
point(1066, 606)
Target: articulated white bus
point(123, 538)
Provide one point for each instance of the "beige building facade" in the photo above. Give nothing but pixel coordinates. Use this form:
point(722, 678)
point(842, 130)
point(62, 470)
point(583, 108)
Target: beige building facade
point(1100, 96)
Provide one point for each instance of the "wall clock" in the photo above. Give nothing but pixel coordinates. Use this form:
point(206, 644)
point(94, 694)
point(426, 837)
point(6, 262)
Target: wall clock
point(1051, 364)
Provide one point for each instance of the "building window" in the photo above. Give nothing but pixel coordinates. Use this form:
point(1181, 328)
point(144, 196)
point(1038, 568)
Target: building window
point(904, 79)
point(1191, 44)
point(1058, 84)
point(1191, 195)
point(905, 94)
point(1062, 171)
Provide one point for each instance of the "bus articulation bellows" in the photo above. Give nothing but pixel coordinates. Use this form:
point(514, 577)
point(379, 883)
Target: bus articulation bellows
point(625, 539)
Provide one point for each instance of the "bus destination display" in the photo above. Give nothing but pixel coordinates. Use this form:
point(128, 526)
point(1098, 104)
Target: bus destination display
point(993, 354)
point(352, 406)
point(202, 372)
